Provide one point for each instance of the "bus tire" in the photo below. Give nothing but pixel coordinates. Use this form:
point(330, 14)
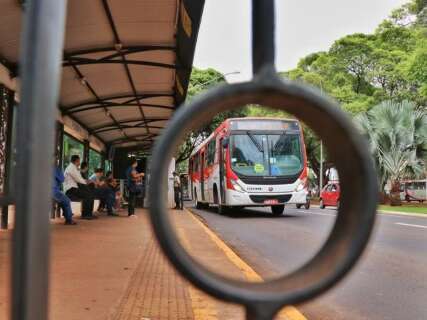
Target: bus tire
point(298, 205)
point(278, 210)
point(321, 204)
point(199, 205)
point(222, 209)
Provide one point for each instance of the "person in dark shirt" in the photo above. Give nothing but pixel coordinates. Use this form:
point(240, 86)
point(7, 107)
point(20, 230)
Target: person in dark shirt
point(134, 184)
point(62, 200)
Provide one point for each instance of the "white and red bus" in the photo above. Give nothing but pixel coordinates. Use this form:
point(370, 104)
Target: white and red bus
point(248, 162)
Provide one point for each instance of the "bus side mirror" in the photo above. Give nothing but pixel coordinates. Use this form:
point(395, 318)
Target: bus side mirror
point(225, 142)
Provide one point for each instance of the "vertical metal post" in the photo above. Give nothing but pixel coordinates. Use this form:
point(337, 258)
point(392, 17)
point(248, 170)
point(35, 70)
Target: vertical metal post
point(86, 149)
point(263, 26)
point(9, 158)
point(40, 69)
point(321, 167)
point(59, 143)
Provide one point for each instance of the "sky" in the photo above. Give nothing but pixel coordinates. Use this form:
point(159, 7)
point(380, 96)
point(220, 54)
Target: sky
point(302, 27)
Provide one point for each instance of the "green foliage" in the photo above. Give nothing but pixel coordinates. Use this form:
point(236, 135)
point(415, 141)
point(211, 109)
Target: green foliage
point(397, 132)
point(361, 70)
point(200, 81)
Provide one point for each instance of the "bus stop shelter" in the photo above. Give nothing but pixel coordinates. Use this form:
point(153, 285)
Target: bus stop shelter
point(125, 69)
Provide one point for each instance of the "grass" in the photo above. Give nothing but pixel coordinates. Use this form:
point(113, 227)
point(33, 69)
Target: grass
point(407, 208)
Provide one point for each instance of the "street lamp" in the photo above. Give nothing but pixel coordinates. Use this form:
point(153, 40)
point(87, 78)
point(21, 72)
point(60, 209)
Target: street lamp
point(215, 79)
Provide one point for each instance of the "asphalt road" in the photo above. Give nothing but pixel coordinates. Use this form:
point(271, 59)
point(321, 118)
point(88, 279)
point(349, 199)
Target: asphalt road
point(390, 282)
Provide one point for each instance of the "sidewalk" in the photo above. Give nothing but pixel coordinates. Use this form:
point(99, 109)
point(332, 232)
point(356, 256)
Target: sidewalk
point(111, 268)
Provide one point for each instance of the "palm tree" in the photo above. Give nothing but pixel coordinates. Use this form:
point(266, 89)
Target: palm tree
point(397, 132)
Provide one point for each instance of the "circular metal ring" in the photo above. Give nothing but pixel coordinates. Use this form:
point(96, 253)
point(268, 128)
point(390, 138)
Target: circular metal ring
point(347, 150)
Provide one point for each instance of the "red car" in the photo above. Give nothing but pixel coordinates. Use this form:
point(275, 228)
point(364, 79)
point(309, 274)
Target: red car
point(330, 195)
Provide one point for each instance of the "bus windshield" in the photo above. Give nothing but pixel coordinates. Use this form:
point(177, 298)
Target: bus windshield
point(277, 154)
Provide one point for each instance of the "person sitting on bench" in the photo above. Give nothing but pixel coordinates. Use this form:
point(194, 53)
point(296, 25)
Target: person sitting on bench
point(63, 201)
point(95, 182)
point(106, 195)
point(75, 187)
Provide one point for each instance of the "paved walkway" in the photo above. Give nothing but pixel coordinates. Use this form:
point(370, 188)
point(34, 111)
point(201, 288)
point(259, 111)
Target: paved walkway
point(111, 268)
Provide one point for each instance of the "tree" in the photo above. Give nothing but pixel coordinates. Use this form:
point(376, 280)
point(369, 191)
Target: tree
point(397, 133)
point(200, 81)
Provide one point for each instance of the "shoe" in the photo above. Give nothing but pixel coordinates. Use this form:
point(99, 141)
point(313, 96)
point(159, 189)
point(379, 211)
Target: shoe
point(132, 216)
point(70, 223)
point(88, 217)
point(113, 214)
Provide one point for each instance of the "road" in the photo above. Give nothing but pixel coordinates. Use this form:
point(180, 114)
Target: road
point(390, 282)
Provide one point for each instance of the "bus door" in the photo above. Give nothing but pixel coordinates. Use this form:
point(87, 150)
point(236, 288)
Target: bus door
point(222, 158)
point(202, 174)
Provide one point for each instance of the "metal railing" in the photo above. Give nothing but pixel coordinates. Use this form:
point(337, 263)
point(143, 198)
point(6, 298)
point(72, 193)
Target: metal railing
point(347, 148)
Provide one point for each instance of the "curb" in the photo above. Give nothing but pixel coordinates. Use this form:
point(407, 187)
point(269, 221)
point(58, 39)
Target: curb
point(288, 312)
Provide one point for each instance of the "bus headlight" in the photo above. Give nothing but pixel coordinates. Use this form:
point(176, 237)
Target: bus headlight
point(237, 186)
point(301, 185)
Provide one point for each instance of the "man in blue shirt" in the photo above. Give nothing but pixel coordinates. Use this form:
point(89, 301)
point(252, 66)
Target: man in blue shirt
point(63, 201)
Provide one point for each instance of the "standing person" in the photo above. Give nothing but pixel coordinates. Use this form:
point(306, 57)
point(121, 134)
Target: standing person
point(177, 191)
point(76, 187)
point(134, 184)
point(63, 201)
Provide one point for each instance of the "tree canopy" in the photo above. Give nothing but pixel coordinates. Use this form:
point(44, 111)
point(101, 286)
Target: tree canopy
point(361, 70)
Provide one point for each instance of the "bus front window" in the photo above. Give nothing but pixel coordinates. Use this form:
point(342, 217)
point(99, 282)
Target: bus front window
point(247, 155)
point(266, 154)
point(285, 154)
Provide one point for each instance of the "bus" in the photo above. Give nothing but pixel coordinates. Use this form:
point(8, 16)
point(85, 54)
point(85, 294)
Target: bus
point(251, 162)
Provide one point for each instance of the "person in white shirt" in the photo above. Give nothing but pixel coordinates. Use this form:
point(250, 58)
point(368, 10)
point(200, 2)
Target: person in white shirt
point(75, 187)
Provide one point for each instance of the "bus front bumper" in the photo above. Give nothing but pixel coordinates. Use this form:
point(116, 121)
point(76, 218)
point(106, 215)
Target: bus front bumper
point(245, 199)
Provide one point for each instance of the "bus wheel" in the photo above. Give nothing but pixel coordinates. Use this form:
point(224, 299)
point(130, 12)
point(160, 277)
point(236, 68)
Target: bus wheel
point(307, 205)
point(298, 205)
point(278, 210)
point(321, 205)
point(222, 209)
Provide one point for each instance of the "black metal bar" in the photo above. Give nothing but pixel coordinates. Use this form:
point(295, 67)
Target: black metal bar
point(9, 159)
point(115, 105)
point(140, 96)
point(125, 49)
point(40, 70)
point(85, 61)
point(129, 127)
point(147, 136)
point(123, 57)
point(86, 149)
point(60, 143)
point(72, 117)
point(263, 26)
point(92, 91)
point(124, 122)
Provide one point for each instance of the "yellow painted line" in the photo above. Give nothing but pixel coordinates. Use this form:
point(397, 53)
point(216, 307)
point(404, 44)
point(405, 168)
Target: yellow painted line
point(290, 312)
point(203, 308)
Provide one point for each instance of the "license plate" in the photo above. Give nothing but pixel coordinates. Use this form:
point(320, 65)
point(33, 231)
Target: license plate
point(271, 201)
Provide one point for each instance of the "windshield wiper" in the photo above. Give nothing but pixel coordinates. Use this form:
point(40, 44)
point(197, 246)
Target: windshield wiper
point(277, 144)
point(255, 142)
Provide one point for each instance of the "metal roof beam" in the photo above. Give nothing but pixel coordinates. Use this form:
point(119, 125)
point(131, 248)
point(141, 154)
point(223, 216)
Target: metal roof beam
point(123, 127)
point(148, 120)
point(135, 138)
point(125, 50)
point(116, 105)
point(139, 96)
point(77, 61)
